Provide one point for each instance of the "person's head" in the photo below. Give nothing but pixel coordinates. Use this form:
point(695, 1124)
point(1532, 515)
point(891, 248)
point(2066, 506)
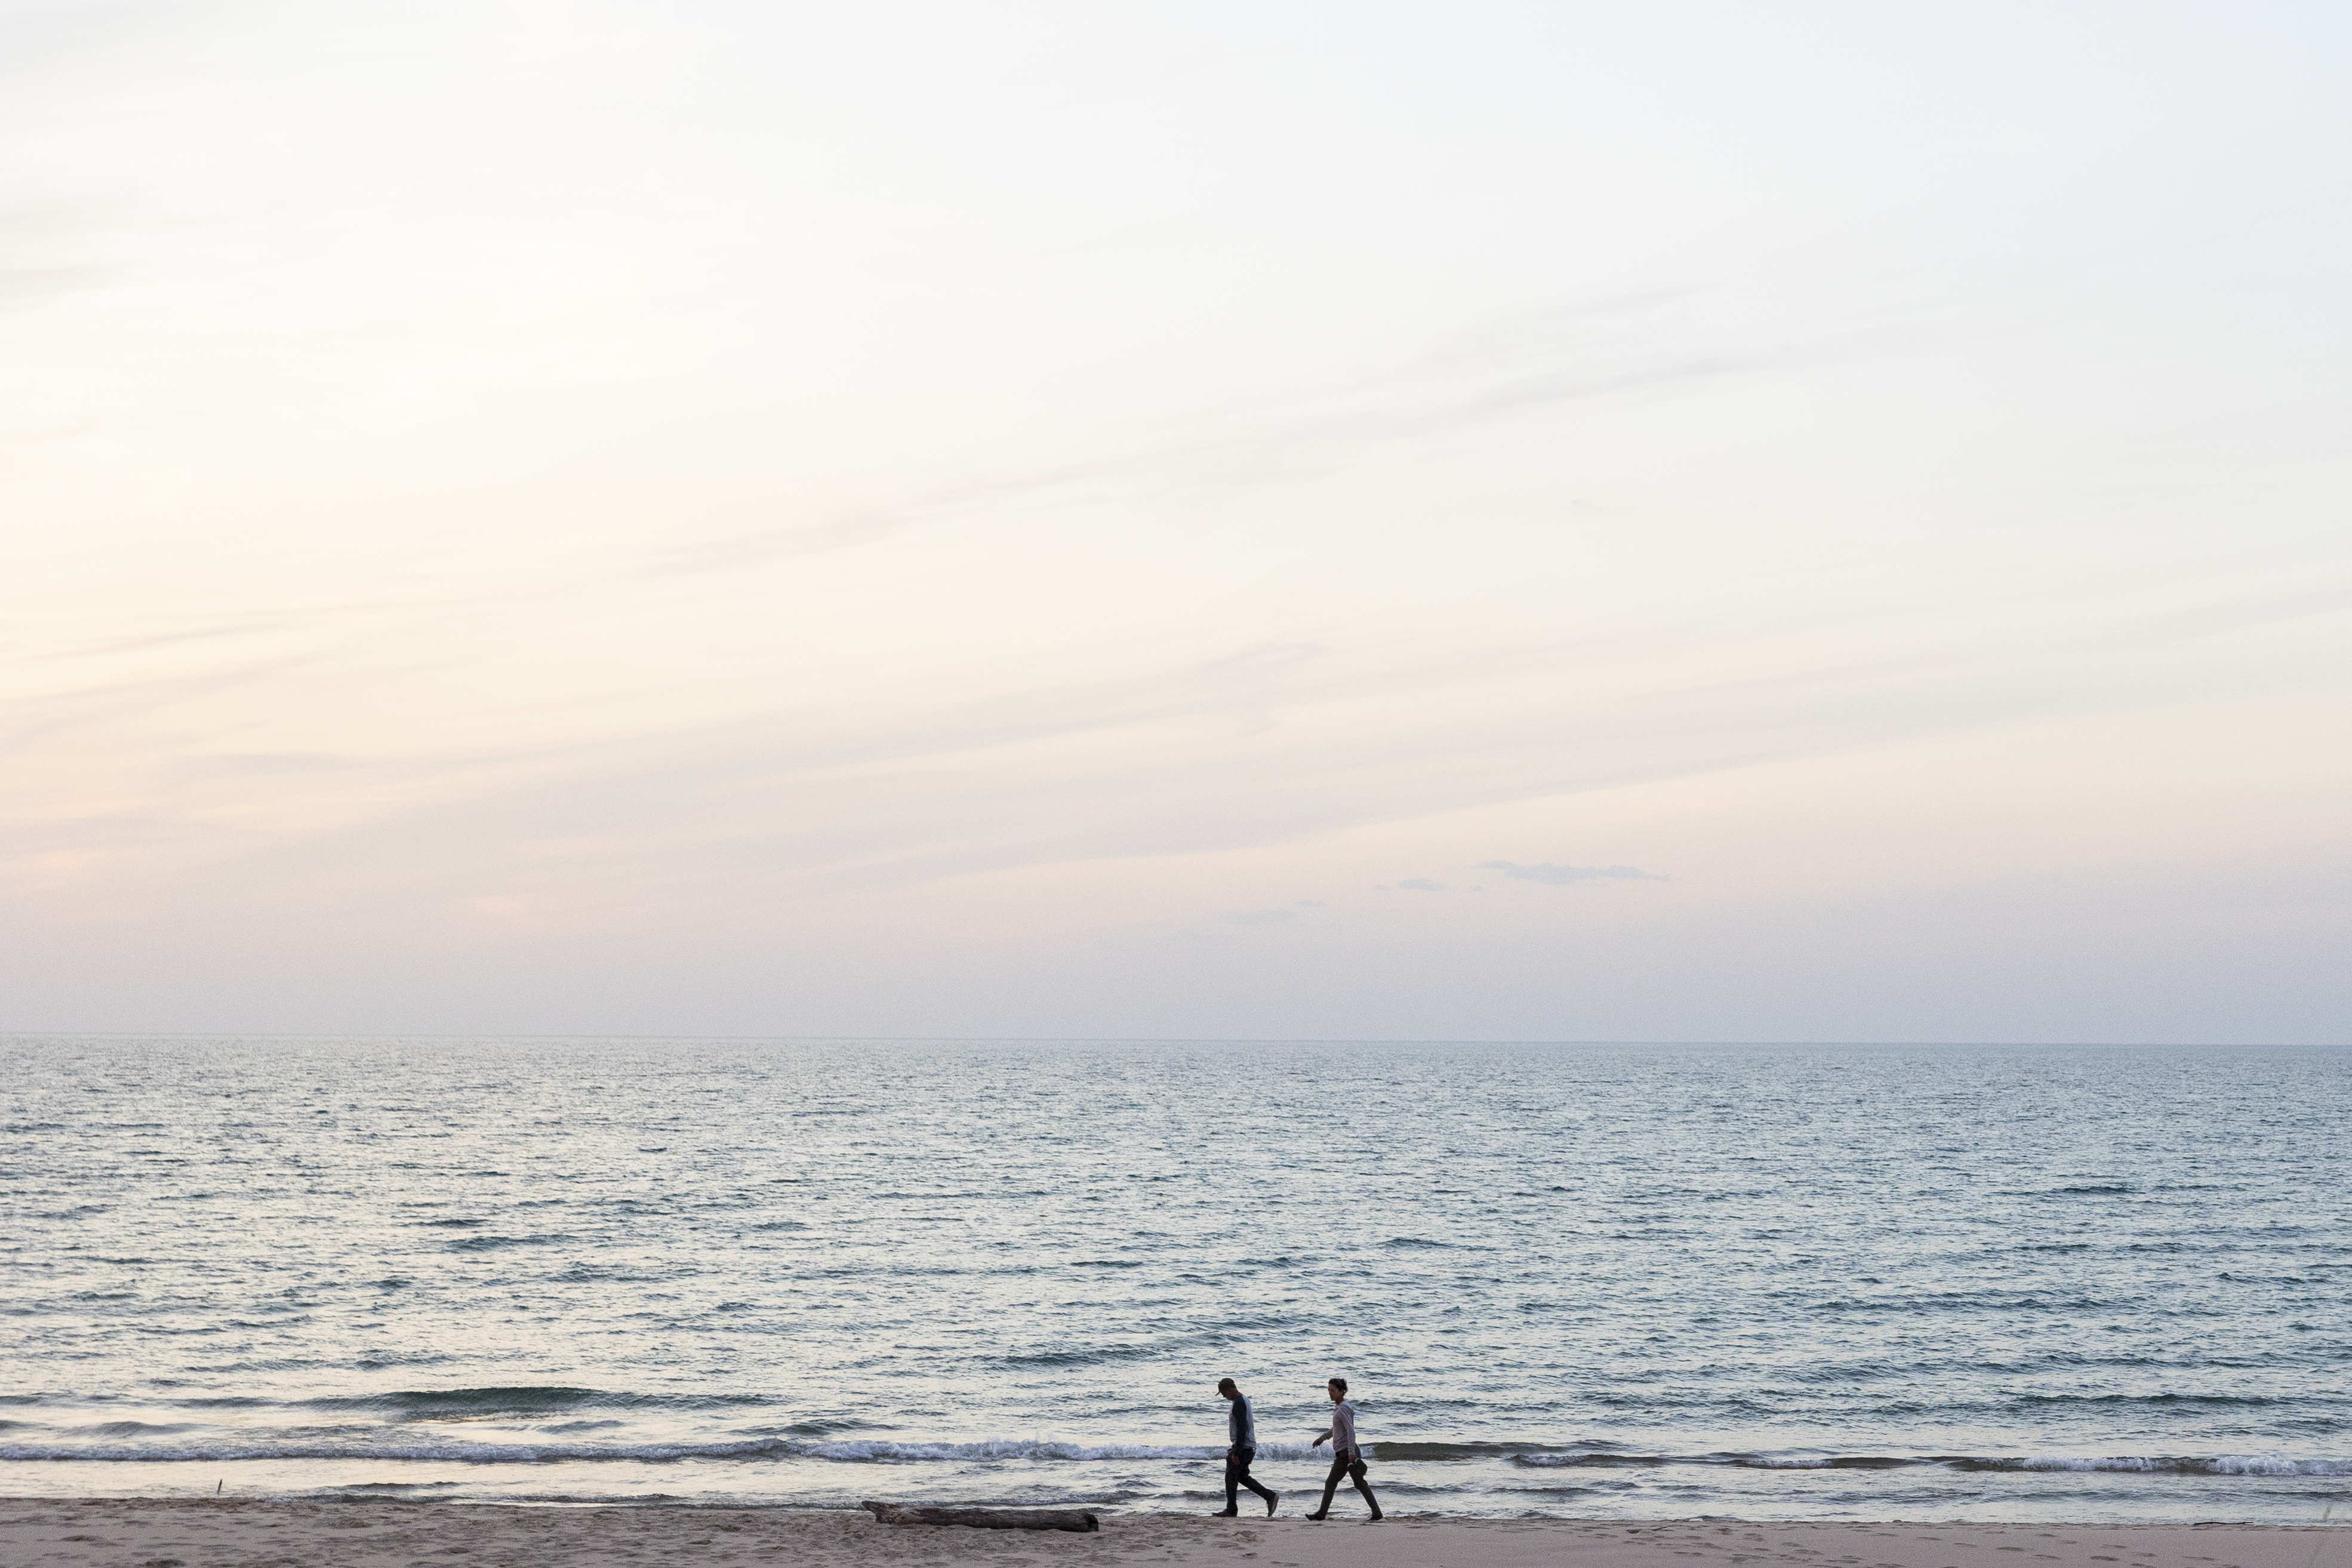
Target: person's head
point(1339, 1387)
point(1229, 1388)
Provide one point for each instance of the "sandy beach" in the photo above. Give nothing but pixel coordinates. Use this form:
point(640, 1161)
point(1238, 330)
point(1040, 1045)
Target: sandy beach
point(152, 1533)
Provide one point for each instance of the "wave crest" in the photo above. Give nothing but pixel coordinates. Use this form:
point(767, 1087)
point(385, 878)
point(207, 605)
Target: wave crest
point(802, 1443)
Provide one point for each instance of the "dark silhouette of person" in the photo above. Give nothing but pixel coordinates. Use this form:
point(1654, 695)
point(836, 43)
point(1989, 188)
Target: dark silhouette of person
point(1346, 1454)
point(1241, 1433)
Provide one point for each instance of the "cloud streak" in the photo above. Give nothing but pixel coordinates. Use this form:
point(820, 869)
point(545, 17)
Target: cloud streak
point(1503, 369)
point(1552, 875)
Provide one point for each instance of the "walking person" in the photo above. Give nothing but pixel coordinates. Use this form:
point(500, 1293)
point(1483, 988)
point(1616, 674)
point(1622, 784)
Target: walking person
point(1241, 1433)
point(1346, 1454)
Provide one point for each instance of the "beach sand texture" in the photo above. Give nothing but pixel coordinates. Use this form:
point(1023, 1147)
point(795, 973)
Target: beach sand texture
point(152, 1533)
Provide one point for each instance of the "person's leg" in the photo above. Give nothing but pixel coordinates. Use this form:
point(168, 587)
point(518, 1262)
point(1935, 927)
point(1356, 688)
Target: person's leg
point(1356, 1473)
point(1238, 1477)
point(1332, 1484)
point(1250, 1481)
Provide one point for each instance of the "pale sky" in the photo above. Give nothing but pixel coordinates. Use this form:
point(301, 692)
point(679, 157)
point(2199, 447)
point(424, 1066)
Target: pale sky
point(1549, 521)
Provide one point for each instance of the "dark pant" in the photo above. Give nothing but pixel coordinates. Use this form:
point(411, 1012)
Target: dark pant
point(1237, 1476)
point(1351, 1465)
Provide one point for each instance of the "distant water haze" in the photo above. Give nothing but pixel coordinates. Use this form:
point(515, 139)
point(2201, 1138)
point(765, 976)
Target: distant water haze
point(2087, 1284)
point(1178, 521)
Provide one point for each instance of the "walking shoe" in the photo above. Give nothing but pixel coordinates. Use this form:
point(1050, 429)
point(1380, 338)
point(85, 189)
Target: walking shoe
point(1226, 1513)
point(1319, 1518)
point(1270, 1503)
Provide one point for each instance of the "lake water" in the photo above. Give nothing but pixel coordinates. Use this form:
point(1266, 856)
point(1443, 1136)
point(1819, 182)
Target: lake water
point(2089, 1284)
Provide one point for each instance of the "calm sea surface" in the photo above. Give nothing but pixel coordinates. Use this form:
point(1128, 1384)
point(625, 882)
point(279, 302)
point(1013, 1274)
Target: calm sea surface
point(1765, 1283)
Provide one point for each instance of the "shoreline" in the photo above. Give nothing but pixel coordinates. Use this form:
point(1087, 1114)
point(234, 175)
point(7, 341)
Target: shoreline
point(207, 1532)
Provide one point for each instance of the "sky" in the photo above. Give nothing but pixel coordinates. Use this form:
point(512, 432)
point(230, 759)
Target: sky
point(1362, 521)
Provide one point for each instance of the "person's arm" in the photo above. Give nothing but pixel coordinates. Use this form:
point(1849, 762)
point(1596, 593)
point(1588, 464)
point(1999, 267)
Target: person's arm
point(1321, 1438)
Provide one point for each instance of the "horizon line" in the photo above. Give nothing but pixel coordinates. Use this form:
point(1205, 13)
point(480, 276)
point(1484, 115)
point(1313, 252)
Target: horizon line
point(1176, 1040)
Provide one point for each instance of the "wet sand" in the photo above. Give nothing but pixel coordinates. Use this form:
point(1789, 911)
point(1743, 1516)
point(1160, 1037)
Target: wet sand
point(154, 1533)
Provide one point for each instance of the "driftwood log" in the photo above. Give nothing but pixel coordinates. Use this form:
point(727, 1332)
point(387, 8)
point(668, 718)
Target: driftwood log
point(1077, 1519)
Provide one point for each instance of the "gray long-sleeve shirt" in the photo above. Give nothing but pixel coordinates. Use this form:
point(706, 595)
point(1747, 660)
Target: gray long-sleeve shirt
point(1342, 1430)
point(1240, 1426)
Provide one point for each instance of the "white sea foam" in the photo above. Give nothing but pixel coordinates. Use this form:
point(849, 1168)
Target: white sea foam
point(1036, 1449)
point(2222, 1465)
point(449, 1452)
point(993, 1450)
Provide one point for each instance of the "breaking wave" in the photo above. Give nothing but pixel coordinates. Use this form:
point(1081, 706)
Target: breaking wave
point(2175, 1465)
point(1046, 1451)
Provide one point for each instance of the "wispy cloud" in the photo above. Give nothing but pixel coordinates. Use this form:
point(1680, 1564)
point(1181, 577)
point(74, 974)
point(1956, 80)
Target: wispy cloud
point(38, 38)
point(43, 252)
point(1552, 875)
point(1500, 369)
